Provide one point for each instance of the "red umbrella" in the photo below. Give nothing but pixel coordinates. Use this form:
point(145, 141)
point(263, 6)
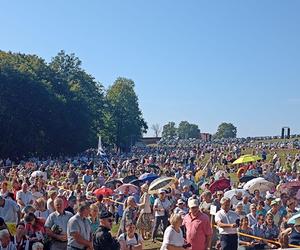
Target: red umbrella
point(103, 191)
point(291, 184)
point(219, 185)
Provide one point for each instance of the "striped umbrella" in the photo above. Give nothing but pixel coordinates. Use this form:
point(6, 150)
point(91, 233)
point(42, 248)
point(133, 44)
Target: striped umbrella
point(161, 183)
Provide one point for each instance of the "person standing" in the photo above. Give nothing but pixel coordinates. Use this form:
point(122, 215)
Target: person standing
point(161, 207)
point(79, 229)
point(102, 237)
point(173, 236)
point(56, 226)
point(227, 221)
point(198, 227)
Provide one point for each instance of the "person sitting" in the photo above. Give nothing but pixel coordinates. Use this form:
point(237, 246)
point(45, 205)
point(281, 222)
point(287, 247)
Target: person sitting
point(130, 240)
point(245, 243)
point(271, 230)
point(35, 228)
point(5, 241)
point(291, 235)
point(21, 240)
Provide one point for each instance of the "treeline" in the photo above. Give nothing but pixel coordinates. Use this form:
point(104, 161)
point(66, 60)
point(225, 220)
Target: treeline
point(57, 108)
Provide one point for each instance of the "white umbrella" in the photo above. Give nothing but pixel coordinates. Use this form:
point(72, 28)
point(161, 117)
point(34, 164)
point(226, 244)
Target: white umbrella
point(260, 184)
point(221, 173)
point(231, 193)
point(39, 174)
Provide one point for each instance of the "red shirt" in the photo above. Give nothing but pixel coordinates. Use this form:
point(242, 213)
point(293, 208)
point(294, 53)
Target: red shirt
point(197, 230)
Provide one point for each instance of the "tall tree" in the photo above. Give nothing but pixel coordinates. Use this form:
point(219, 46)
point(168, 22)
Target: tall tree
point(187, 130)
point(124, 121)
point(169, 130)
point(156, 129)
point(226, 130)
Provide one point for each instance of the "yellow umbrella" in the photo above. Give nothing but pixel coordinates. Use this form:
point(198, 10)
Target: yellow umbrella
point(247, 158)
point(198, 175)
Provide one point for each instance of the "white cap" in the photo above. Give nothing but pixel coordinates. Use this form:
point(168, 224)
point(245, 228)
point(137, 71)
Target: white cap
point(160, 191)
point(193, 203)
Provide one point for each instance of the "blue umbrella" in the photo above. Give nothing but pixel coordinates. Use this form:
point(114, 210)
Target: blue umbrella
point(148, 177)
point(292, 220)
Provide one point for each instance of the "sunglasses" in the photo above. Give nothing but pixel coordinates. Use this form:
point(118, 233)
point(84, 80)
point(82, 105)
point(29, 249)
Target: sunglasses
point(110, 220)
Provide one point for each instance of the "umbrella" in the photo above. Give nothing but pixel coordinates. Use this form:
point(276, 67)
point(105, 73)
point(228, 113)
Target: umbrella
point(161, 183)
point(39, 174)
point(153, 166)
point(130, 187)
point(260, 184)
point(247, 158)
point(136, 182)
point(113, 183)
point(129, 178)
point(246, 178)
point(199, 174)
point(230, 193)
point(105, 191)
point(292, 184)
point(219, 185)
point(133, 160)
point(220, 174)
point(293, 218)
point(148, 177)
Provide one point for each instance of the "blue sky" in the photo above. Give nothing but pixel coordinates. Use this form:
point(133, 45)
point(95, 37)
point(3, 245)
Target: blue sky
point(201, 61)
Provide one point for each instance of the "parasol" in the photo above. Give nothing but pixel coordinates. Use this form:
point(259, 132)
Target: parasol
point(231, 193)
point(105, 191)
point(161, 183)
point(129, 178)
point(246, 159)
point(260, 184)
point(130, 188)
point(219, 185)
point(148, 177)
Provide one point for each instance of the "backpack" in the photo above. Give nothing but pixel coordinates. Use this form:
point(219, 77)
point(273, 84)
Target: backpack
point(135, 235)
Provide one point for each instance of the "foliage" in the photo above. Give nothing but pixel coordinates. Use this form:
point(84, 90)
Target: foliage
point(187, 130)
point(123, 119)
point(169, 130)
point(56, 108)
point(226, 130)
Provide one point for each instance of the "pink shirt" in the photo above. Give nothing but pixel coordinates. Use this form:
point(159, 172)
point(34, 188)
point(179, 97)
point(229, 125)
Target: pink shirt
point(197, 230)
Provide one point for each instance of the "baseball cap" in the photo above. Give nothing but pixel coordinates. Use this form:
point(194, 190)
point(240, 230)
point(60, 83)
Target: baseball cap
point(180, 201)
point(193, 203)
point(161, 191)
point(105, 215)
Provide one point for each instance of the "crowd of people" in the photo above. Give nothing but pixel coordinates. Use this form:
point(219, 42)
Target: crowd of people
point(208, 202)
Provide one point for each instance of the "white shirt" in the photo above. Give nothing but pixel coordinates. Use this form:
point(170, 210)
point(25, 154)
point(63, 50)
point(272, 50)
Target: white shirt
point(173, 238)
point(25, 197)
point(162, 206)
point(227, 218)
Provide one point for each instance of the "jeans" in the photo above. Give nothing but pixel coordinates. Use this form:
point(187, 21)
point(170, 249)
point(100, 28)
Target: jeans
point(229, 241)
point(157, 221)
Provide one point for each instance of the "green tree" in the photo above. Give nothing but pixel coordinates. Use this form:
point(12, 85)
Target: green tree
point(45, 108)
point(169, 130)
point(124, 123)
point(226, 130)
point(187, 130)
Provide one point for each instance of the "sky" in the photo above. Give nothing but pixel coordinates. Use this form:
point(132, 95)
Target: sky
point(205, 62)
